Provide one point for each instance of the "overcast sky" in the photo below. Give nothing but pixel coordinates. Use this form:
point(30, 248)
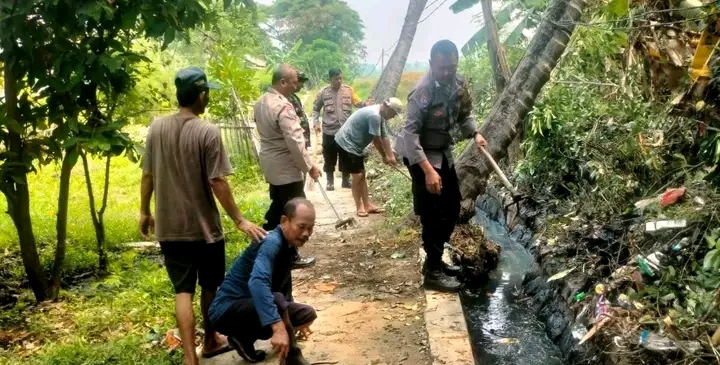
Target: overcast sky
point(383, 24)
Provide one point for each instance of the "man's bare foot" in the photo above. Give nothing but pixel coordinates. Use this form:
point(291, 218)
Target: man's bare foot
point(362, 213)
point(372, 209)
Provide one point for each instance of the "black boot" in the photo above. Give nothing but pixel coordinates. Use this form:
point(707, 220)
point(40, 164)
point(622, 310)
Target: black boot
point(330, 182)
point(246, 350)
point(435, 278)
point(451, 270)
point(346, 181)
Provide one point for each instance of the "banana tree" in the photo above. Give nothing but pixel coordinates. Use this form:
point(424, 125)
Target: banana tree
point(512, 19)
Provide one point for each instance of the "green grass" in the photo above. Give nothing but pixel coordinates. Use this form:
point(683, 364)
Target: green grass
point(115, 319)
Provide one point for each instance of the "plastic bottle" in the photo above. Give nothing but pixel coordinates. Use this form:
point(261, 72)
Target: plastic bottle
point(656, 342)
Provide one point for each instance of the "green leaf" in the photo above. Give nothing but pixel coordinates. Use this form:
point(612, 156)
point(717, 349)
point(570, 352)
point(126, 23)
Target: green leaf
point(618, 7)
point(227, 4)
point(14, 126)
point(462, 5)
point(168, 38)
point(708, 261)
point(112, 63)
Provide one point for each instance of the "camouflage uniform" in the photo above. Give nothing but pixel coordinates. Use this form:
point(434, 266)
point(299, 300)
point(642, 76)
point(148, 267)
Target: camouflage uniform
point(300, 111)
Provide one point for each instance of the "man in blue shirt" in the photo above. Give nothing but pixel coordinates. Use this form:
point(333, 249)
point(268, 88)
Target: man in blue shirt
point(364, 126)
point(255, 300)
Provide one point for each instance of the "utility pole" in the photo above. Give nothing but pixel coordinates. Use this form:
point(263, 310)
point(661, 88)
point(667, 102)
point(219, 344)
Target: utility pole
point(382, 60)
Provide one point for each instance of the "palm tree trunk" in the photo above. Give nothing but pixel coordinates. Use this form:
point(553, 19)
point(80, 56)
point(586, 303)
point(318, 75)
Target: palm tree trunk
point(390, 78)
point(496, 51)
point(517, 99)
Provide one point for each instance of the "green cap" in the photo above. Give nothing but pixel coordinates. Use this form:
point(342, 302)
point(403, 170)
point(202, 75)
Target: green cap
point(302, 77)
point(192, 78)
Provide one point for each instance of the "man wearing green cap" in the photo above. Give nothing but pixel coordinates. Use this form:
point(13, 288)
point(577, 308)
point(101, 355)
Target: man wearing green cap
point(299, 110)
point(185, 164)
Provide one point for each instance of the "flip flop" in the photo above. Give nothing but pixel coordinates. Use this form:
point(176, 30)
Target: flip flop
point(362, 214)
point(220, 351)
point(376, 211)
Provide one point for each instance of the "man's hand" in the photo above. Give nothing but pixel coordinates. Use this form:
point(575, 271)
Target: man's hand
point(390, 160)
point(433, 182)
point(315, 172)
point(280, 340)
point(316, 127)
point(304, 333)
point(480, 141)
point(247, 227)
point(370, 101)
point(147, 225)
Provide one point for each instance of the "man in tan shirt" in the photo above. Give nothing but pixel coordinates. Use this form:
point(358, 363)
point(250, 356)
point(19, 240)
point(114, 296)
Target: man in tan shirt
point(185, 164)
point(283, 157)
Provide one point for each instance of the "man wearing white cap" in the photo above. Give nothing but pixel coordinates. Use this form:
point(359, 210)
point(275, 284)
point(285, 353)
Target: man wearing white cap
point(369, 124)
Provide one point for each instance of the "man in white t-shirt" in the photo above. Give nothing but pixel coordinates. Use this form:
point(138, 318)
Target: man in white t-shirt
point(368, 124)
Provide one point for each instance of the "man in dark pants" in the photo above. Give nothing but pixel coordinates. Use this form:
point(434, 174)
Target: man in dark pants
point(439, 102)
point(255, 300)
point(336, 100)
point(185, 164)
point(299, 109)
point(283, 157)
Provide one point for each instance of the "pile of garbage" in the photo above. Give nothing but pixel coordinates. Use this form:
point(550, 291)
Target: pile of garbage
point(660, 303)
point(473, 252)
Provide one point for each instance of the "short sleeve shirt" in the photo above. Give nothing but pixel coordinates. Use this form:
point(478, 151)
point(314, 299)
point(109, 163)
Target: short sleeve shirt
point(183, 153)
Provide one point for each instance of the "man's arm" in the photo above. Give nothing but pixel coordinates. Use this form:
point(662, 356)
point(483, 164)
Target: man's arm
point(293, 133)
point(146, 191)
point(359, 103)
point(466, 119)
point(317, 106)
point(416, 113)
point(260, 283)
point(146, 183)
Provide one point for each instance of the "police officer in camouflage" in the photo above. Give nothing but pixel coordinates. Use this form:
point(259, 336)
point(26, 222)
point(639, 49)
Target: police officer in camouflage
point(299, 110)
point(439, 103)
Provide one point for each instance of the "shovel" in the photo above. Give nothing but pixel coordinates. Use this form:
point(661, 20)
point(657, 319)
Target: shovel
point(341, 223)
point(517, 197)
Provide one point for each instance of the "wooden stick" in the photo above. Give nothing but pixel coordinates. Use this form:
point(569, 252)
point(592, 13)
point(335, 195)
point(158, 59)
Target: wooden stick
point(498, 171)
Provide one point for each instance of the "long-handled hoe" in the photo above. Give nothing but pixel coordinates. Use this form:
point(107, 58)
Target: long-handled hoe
point(341, 223)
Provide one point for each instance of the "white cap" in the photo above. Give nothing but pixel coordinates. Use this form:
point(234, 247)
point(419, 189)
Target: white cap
point(395, 104)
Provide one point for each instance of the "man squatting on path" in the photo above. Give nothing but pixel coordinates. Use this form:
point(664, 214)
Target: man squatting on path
point(283, 157)
point(336, 100)
point(366, 125)
point(255, 300)
point(439, 102)
point(185, 163)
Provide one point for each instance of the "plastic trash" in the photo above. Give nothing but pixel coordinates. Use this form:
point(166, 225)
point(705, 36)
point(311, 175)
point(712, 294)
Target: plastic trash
point(624, 301)
point(659, 225)
point(656, 342)
point(601, 307)
point(579, 296)
point(651, 263)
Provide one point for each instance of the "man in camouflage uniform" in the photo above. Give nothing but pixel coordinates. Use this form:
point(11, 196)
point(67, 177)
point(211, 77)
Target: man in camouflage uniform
point(336, 100)
point(439, 103)
point(299, 110)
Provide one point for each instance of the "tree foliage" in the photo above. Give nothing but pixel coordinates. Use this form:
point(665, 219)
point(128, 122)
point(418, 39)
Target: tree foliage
point(66, 66)
point(328, 21)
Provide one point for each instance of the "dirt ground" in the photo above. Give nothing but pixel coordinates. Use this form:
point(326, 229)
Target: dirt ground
point(366, 290)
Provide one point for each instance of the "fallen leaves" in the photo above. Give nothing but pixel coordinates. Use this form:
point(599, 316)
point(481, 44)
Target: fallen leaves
point(560, 275)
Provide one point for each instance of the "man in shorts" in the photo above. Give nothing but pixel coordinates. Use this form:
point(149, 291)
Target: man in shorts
point(185, 165)
point(255, 300)
point(369, 124)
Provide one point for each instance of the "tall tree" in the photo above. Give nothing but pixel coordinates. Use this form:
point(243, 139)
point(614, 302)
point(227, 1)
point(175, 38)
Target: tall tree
point(390, 78)
point(328, 20)
point(498, 60)
point(517, 99)
point(65, 64)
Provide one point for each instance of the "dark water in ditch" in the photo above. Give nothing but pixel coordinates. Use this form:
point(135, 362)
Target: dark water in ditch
point(503, 327)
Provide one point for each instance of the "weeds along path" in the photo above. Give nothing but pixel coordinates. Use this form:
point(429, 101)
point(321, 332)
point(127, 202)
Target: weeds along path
point(365, 288)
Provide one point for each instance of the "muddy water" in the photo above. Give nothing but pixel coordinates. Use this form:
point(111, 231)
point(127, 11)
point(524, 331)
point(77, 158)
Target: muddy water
point(503, 327)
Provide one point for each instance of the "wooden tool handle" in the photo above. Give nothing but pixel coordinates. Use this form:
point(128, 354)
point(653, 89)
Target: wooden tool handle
point(498, 171)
